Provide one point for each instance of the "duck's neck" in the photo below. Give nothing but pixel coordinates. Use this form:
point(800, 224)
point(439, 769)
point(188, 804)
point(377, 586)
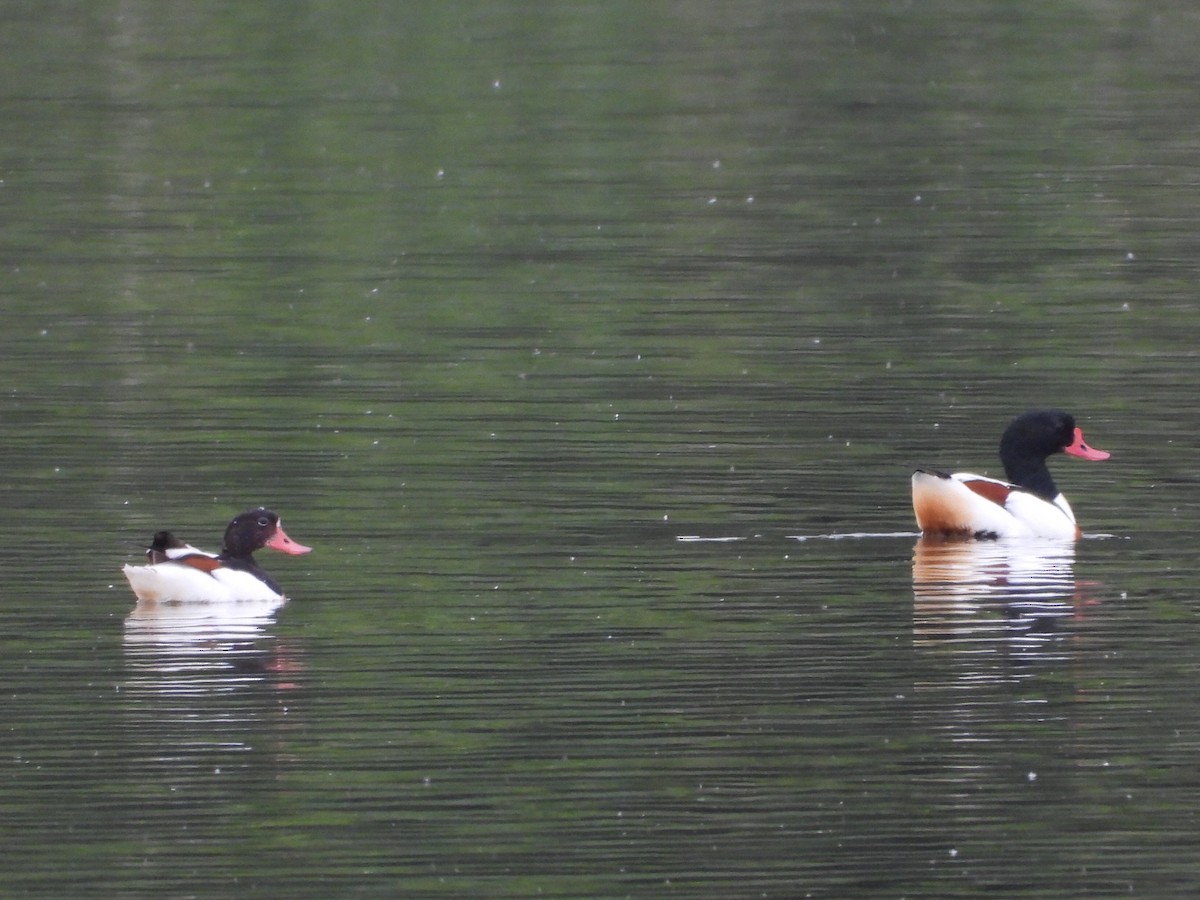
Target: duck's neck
point(1032, 475)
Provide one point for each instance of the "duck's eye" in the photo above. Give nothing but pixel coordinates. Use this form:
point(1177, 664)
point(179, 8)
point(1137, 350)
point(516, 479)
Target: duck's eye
point(264, 521)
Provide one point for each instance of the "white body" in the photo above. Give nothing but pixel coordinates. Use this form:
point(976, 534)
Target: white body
point(172, 582)
point(1022, 515)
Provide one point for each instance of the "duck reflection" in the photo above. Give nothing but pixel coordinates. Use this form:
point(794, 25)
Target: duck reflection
point(208, 687)
point(188, 647)
point(1000, 669)
point(971, 589)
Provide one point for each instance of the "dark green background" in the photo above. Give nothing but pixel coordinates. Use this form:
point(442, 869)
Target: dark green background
point(493, 302)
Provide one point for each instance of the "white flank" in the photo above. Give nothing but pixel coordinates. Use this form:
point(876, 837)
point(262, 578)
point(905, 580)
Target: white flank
point(1023, 515)
point(178, 583)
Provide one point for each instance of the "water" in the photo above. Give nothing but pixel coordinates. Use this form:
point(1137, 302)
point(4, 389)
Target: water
point(591, 349)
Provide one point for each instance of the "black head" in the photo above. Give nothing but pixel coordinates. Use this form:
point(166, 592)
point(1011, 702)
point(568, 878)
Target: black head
point(1035, 435)
point(249, 531)
point(255, 529)
point(1039, 432)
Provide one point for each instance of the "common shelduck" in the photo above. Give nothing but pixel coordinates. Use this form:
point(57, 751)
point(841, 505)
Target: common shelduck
point(179, 572)
point(1027, 505)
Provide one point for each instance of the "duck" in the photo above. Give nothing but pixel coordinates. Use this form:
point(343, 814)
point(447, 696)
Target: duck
point(178, 572)
point(1027, 505)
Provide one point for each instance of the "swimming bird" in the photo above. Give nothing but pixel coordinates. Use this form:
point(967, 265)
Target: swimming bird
point(179, 572)
point(1029, 504)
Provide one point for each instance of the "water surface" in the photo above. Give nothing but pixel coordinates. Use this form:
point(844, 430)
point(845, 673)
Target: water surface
point(591, 349)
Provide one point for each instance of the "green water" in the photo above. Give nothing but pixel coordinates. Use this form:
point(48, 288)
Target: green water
point(495, 303)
